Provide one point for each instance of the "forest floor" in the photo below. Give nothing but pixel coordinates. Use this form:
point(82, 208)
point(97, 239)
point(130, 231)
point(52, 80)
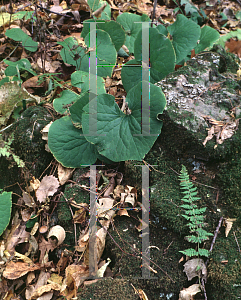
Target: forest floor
point(44, 250)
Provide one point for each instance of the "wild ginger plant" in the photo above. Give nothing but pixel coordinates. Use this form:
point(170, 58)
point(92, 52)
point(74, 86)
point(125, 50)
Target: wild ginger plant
point(194, 215)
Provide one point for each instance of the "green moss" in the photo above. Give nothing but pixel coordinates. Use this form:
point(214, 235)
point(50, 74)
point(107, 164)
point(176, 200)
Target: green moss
point(125, 246)
point(229, 178)
point(108, 289)
point(232, 85)
point(225, 277)
point(228, 61)
point(28, 145)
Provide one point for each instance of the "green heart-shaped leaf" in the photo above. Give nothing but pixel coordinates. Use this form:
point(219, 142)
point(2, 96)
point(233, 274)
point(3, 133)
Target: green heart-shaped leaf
point(114, 29)
point(72, 53)
point(81, 80)
point(105, 52)
point(162, 59)
point(18, 35)
point(66, 99)
point(15, 66)
point(185, 34)
point(76, 109)
point(162, 29)
point(69, 146)
point(132, 25)
point(118, 134)
point(131, 74)
point(207, 38)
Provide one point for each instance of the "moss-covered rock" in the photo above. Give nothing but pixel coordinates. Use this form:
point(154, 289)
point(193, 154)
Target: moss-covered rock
point(229, 178)
point(28, 145)
point(224, 270)
point(108, 289)
point(197, 92)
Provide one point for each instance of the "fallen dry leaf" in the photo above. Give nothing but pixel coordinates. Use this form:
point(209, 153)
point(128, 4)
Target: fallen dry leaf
point(239, 74)
point(26, 214)
point(50, 66)
point(42, 280)
point(28, 200)
point(142, 295)
point(32, 83)
point(99, 245)
point(34, 183)
point(44, 292)
point(14, 270)
point(45, 131)
point(234, 47)
point(80, 215)
point(187, 293)
point(17, 236)
point(24, 258)
point(64, 174)
point(102, 269)
point(190, 268)
point(117, 191)
point(74, 277)
point(44, 247)
point(229, 224)
point(104, 208)
point(48, 186)
point(30, 277)
point(122, 212)
point(222, 130)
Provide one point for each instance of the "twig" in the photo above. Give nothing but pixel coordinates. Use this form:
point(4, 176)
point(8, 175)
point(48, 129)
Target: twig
point(53, 12)
point(46, 169)
point(204, 290)
point(10, 53)
point(211, 248)
point(214, 238)
point(81, 186)
point(149, 165)
point(154, 12)
point(165, 250)
point(239, 2)
point(236, 241)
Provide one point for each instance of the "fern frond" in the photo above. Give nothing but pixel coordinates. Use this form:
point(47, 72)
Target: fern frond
point(203, 252)
point(190, 252)
point(193, 214)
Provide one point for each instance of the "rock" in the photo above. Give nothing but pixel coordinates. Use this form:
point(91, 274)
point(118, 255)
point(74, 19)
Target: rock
point(28, 145)
point(198, 95)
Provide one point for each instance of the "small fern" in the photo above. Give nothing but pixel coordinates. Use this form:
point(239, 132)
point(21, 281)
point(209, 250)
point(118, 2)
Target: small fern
point(194, 215)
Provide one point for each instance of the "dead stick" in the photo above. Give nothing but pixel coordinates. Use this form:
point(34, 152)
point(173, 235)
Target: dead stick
point(204, 290)
point(211, 248)
point(236, 241)
point(214, 238)
point(154, 12)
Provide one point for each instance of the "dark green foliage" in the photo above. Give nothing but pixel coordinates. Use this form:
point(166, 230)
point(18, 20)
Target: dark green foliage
point(5, 209)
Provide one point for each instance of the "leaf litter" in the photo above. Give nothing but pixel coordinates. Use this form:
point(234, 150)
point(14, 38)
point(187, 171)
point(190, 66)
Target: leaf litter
point(14, 265)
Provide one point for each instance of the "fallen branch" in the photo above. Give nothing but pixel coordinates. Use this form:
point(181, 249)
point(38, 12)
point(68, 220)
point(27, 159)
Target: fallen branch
point(214, 237)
